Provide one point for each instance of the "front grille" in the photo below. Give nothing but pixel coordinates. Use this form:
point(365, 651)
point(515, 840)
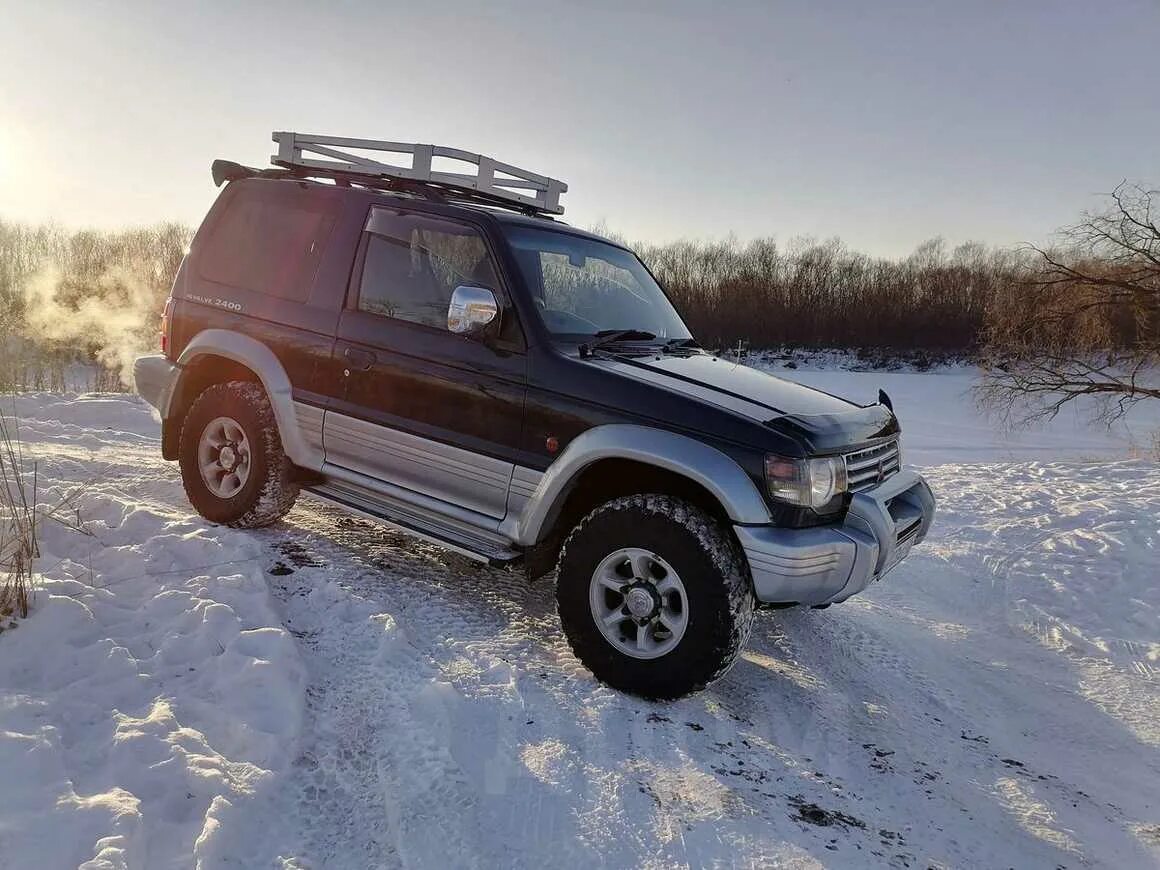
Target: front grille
point(868, 468)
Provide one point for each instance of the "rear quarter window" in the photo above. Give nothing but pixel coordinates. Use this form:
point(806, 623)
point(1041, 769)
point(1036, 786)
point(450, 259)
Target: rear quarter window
point(266, 243)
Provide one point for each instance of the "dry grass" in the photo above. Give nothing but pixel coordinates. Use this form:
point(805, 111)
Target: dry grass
point(18, 546)
point(21, 516)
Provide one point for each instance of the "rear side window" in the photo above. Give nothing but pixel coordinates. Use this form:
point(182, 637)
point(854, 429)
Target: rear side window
point(414, 262)
point(267, 243)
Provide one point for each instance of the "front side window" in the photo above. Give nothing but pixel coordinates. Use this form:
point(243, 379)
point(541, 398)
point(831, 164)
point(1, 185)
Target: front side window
point(584, 286)
point(414, 262)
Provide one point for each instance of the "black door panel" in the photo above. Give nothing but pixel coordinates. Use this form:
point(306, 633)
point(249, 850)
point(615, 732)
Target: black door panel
point(453, 392)
point(420, 406)
point(439, 385)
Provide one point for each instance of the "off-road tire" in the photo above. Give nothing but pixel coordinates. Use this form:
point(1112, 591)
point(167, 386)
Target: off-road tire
point(711, 567)
point(270, 490)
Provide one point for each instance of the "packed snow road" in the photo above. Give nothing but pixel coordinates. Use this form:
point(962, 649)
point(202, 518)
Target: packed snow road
point(327, 693)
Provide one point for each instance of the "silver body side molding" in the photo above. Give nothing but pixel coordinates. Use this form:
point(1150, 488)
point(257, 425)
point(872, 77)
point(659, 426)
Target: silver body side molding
point(456, 476)
point(522, 489)
point(310, 424)
point(699, 462)
point(302, 447)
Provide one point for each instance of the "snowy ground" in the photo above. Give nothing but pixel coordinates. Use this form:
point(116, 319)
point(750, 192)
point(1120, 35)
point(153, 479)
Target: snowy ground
point(326, 693)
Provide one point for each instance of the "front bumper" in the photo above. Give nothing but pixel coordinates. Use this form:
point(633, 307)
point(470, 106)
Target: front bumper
point(155, 378)
point(826, 564)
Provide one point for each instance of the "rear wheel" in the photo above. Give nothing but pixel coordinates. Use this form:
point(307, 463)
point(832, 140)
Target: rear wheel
point(232, 463)
point(654, 596)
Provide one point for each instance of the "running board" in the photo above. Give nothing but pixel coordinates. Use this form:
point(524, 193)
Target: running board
point(491, 551)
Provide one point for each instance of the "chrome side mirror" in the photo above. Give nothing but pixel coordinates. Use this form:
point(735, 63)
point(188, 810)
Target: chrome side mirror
point(471, 309)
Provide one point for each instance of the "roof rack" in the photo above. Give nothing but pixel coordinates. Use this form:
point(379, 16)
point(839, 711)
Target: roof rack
point(491, 181)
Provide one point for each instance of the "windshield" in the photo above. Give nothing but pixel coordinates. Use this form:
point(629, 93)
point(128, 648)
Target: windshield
point(583, 286)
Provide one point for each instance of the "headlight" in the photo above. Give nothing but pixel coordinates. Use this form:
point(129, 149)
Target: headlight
point(812, 483)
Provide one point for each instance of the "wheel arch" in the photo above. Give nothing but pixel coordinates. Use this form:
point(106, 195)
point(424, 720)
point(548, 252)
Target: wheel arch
point(619, 459)
point(219, 355)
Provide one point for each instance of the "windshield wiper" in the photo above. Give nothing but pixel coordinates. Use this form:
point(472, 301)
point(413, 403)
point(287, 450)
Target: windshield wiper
point(675, 345)
point(605, 337)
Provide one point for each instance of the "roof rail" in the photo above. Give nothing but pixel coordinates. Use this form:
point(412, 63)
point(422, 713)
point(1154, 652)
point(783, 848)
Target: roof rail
point(491, 181)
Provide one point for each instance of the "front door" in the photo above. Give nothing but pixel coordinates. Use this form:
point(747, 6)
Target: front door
point(424, 408)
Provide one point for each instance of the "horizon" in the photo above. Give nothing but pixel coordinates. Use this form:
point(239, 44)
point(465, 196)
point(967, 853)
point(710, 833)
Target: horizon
point(884, 129)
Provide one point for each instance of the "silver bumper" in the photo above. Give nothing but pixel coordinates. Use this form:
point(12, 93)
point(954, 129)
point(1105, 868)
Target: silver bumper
point(154, 378)
point(826, 564)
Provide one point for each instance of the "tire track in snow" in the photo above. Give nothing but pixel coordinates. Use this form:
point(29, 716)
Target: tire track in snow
point(373, 787)
point(412, 764)
point(881, 731)
point(562, 767)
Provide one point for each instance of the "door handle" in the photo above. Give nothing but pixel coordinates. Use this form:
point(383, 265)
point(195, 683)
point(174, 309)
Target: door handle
point(359, 359)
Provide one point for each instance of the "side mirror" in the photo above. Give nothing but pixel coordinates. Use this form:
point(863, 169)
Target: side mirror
point(471, 310)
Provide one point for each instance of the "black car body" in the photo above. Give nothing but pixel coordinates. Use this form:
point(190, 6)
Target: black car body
point(496, 441)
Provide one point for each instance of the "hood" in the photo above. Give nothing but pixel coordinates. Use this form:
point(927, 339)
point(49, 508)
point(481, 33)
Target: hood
point(820, 421)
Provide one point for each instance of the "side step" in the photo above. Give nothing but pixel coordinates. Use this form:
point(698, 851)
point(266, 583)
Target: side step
point(479, 546)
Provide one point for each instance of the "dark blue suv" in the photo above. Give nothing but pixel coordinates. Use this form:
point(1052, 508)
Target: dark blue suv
point(459, 364)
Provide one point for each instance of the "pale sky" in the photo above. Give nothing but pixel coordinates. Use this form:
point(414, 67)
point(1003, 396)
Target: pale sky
point(882, 122)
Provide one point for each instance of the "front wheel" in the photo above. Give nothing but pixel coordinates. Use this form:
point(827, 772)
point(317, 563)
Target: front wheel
point(653, 595)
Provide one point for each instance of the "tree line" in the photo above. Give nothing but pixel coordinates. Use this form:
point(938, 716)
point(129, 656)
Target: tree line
point(821, 294)
point(805, 293)
point(81, 296)
point(1080, 317)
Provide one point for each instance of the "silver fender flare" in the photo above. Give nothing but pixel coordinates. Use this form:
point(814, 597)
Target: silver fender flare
point(261, 360)
point(721, 476)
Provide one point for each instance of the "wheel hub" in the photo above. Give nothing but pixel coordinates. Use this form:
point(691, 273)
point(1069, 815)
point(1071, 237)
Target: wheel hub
point(228, 457)
point(641, 601)
point(223, 457)
point(638, 603)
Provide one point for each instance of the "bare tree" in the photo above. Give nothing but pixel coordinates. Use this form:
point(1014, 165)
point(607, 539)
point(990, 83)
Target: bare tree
point(1084, 321)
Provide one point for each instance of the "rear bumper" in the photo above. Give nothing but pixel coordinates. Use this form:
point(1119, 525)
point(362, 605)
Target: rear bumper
point(827, 564)
point(155, 378)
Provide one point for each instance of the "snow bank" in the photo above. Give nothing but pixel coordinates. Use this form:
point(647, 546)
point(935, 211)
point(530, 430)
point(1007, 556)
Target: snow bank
point(153, 686)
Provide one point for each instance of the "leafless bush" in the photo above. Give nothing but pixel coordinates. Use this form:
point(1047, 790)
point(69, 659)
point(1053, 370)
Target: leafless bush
point(87, 296)
point(25, 365)
point(821, 294)
point(1085, 323)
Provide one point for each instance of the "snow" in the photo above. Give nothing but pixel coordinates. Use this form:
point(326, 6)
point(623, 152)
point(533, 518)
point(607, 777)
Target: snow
point(328, 693)
point(154, 686)
point(941, 422)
